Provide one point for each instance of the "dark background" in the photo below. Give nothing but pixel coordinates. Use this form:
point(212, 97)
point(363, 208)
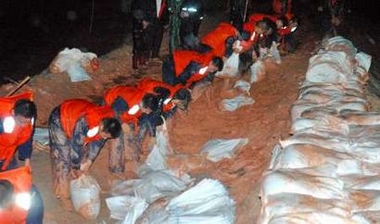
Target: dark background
point(34, 31)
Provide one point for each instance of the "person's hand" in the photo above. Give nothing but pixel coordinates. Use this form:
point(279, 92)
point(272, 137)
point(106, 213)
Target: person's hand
point(27, 162)
point(145, 24)
point(85, 166)
point(76, 173)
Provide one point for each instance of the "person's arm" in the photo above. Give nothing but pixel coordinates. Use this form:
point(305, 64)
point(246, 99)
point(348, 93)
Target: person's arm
point(25, 151)
point(78, 138)
point(190, 70)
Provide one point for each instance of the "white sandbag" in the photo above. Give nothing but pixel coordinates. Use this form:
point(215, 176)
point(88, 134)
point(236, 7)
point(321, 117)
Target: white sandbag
point(235, 103)
point(124, 187)
point(363, 60)
point(363, 182)
point(230, 67)
point(159, 184)
point(257, 71)
point(218, 149)
point(291, 181)
point(323, 122)
point(365, 200)
point(85, 195)
point(281, 205)
point(304, 155)
point(332, 142)
point(77, 73)
point(317, 217)
point(361, 118)
point(206, 202)
point(339, 43)
point(74, 62)
point(275, 53)
point(157, 157)
point(122, 206)
point(243, 86)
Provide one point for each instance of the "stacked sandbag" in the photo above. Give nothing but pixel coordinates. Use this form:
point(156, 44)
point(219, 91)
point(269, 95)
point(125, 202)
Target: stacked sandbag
point(165, 196)
point(75, 63)
point(328, 170)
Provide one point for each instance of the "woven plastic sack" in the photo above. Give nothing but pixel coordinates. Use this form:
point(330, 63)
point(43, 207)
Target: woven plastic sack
point(85, 196)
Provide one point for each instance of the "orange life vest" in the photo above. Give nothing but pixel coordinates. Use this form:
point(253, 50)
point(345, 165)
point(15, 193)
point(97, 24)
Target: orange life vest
point(21, 179)
point(254, 18)
point(183, 57)
point(216, 39)
point(132, 96)
point(149, 84)
point(71, 110)
point(18, 135)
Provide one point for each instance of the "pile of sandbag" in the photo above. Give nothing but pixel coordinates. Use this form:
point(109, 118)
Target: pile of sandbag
point(75, 63)
point(328, 170)
point(164, 196)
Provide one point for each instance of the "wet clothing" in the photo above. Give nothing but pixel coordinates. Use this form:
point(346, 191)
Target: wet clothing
point(74, 134)
point(186, 68)
point(221, 39)
point(126, 101)
point(18, 138)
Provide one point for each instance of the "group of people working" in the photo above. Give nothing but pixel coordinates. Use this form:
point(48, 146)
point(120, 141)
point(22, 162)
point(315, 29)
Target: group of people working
point(78, 128)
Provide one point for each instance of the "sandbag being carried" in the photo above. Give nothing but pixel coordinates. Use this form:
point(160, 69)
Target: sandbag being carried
point(231, 66)
point(85, 196)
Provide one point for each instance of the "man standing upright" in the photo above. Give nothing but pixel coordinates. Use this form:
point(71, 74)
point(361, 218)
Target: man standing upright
point(157, 18)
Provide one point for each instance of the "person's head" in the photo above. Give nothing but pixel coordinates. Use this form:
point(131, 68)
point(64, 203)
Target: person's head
point(262, 26)
point(110, 128)
point(281, 22)
point(6, 194)
point(182, 99)
point(216, 64)
point(24, 111)
point(150, 103)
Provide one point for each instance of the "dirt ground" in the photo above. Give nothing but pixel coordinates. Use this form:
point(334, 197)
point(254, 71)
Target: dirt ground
point(264, 123)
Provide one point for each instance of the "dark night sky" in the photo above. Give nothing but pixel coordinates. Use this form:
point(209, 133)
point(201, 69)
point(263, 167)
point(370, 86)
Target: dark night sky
point(34, 31)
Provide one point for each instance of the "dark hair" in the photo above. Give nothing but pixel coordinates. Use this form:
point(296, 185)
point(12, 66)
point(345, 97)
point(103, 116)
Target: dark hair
point(263, 24)
point(25, 108)
point(112, 126)
point(162, 91)
point(150, 101)
point(6, 192)
point(218, 62)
